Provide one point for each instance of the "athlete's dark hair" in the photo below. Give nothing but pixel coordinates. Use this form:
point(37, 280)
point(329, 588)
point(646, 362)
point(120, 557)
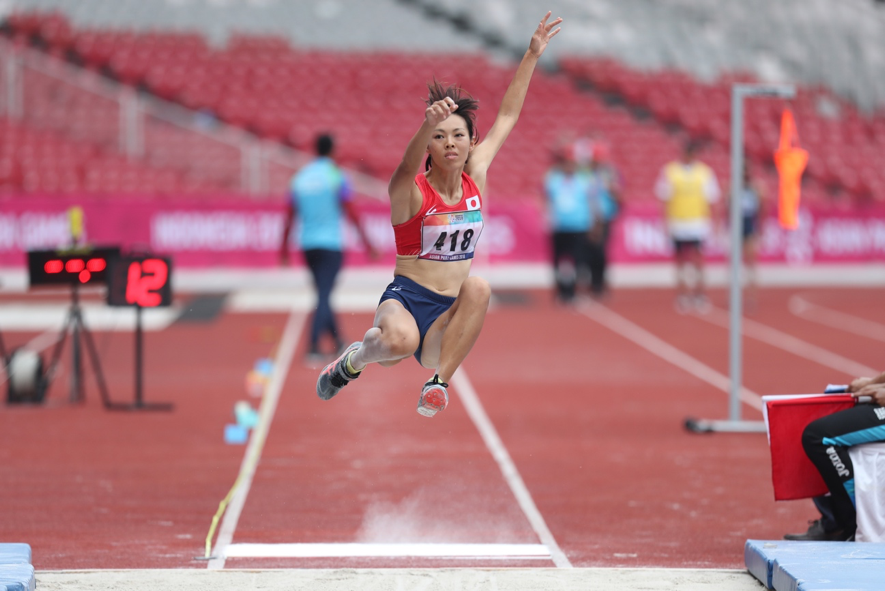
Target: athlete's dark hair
point(324, 144)
point(467, 106)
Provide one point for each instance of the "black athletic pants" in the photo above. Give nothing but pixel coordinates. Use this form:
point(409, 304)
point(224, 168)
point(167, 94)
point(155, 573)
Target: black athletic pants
point(826, 442)
point(569, 246)
point(324, 265)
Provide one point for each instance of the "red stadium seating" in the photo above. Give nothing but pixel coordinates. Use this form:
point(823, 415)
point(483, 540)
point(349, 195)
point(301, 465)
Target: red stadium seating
point(845, 154)
point(372, 103)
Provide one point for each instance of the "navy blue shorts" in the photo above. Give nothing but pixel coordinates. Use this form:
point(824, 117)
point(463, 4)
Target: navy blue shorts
point(424, 305)
point(681, 246)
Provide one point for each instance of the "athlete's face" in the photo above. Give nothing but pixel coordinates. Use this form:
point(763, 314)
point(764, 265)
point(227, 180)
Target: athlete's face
point(450, 143)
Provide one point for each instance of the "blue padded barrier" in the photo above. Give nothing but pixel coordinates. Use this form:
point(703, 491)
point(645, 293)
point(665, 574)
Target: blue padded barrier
point(15, 554)
point(16, 572)
point(17, 577)
point(816, 566)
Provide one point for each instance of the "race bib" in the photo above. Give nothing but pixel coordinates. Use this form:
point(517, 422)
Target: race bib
point(450, 236)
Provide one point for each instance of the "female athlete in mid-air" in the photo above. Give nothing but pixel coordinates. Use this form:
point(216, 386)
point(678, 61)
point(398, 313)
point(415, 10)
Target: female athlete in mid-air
point(433, 310)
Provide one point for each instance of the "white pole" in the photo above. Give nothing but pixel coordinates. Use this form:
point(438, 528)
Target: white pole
point(734, 423)
point(734, 309)
point(735, 362)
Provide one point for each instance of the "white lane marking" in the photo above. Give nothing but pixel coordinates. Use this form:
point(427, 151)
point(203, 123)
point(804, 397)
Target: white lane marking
point(282, 362)
point(801, 307)
point(475, 551)
point(791, 344)
point(493, 442)
point(627, 329)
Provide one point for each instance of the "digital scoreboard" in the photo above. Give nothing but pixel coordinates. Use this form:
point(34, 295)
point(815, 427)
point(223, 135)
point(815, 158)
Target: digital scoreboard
point(75, 266)
point(142, 281)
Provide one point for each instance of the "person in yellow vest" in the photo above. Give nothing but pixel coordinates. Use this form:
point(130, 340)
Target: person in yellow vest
point(689, 188)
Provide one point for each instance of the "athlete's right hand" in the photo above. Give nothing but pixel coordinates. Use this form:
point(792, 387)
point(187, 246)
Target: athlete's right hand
point(440, 111)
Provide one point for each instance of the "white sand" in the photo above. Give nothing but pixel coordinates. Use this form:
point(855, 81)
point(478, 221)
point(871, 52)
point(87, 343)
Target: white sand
point(577, 579)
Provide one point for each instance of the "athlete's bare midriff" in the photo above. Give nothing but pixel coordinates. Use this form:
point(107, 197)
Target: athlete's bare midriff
point(443, 277)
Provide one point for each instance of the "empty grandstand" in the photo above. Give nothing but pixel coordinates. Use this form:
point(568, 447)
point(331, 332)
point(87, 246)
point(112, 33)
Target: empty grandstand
point(643, 74)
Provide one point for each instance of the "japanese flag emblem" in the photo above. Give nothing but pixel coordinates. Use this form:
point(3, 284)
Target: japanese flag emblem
point(473, 203)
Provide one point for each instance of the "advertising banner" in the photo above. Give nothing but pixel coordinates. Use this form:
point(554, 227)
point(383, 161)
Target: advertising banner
point(227, 232)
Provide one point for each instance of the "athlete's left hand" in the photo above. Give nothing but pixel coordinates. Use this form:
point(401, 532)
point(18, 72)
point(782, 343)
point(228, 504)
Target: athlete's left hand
point(543, 34)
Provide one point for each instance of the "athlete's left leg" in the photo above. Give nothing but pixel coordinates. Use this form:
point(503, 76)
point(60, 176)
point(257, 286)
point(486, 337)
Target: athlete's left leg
point(449, 339)
point(452, 335)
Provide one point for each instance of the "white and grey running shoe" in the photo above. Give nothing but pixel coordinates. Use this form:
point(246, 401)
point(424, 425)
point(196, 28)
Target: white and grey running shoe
point(335, 375)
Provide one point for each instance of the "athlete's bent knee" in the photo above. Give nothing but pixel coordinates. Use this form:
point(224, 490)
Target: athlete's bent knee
point(476, 290)
point(813, 435)
point(400, 342)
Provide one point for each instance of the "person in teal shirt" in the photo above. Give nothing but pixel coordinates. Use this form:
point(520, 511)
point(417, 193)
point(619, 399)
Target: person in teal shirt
point(571, 218)
point(321, 196)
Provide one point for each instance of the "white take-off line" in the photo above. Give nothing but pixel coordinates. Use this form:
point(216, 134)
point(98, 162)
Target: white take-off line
point(806, 310)
point(282, 362)
point(499, 452)
point(657, 346)
point(796, 346)
point(392, 550)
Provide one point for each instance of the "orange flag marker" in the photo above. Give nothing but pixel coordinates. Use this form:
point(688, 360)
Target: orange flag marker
point(790, 161)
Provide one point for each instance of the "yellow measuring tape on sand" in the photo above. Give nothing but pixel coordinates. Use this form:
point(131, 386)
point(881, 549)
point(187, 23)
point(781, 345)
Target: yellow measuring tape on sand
point(282, 353)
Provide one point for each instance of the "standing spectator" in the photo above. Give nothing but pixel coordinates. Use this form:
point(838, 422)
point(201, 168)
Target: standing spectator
point(606, 191)
point(826, 442)
point(752, 198)
point(688, 187)
point(568, 192)
point(320, 194)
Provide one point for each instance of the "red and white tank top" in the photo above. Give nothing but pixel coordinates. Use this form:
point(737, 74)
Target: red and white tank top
point(440, 232)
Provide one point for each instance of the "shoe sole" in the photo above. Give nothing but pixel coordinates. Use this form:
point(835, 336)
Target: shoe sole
point(432, 402)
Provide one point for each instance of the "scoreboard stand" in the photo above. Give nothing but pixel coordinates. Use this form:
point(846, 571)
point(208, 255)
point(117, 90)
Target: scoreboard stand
point(140, 281)
point(74, 267)
point(76, 327)
point(134, 280)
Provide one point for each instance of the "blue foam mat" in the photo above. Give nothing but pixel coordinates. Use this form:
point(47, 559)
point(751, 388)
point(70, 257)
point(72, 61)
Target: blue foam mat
point(15, 554)
point(18, 577)
point(16, 572)
point(816, 566)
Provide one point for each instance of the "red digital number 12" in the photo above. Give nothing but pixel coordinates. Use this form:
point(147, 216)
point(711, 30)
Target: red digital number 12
point(144, 280)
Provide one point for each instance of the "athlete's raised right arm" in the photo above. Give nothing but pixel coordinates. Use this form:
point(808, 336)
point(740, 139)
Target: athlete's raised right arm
point(402, 186)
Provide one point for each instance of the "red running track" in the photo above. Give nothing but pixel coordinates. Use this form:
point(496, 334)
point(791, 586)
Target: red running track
point(592, 422)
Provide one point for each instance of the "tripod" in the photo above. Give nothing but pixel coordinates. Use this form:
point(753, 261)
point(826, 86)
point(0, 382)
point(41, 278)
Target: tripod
point(75, 325)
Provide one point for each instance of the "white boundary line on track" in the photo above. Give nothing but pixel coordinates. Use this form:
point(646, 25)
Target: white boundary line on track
point(804, 309)
point(282, 362)
point(627, 329)
point(356, 550)
point(791, 344)
point(508, 469)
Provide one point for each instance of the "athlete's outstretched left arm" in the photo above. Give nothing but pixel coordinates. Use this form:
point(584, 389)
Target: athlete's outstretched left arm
point(482, 156)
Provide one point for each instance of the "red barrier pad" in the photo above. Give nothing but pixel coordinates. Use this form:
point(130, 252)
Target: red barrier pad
point(793, 474)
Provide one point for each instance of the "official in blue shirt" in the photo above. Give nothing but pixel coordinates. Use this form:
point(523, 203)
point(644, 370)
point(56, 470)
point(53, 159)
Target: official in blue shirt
point(321, 196)
point(571, 216)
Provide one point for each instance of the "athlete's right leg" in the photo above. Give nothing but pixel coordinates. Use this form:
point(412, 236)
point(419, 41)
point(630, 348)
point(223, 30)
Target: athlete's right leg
point(393, 337)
